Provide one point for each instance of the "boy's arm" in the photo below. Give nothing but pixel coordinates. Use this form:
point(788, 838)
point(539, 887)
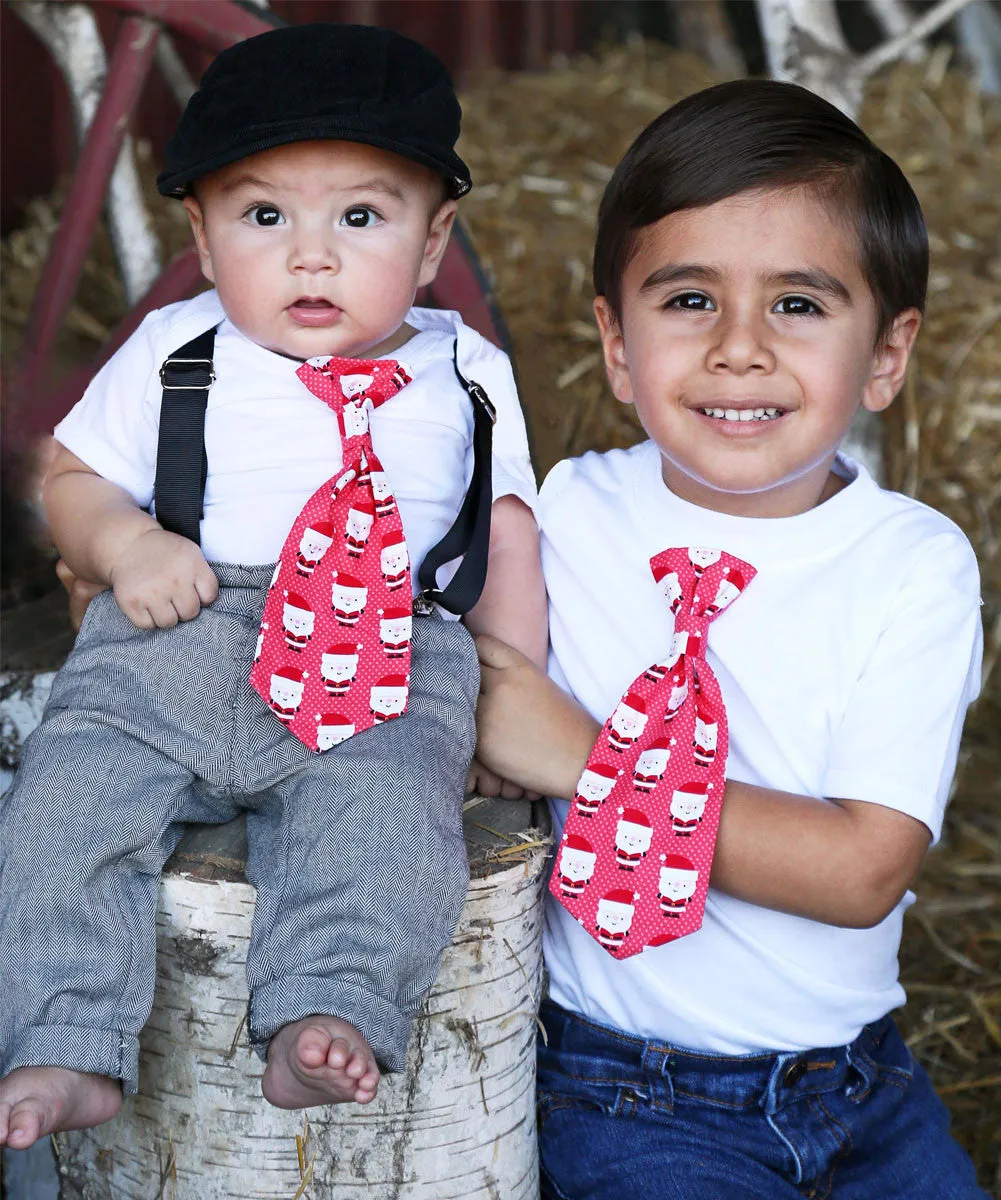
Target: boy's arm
point(158, 577)
point(842, 862)
point(512, 607)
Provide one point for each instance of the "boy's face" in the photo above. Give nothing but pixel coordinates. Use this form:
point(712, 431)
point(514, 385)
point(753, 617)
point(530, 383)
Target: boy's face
point(752, 307)
point(317, 248)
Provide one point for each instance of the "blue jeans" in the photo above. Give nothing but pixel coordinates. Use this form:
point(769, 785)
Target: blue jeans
point(622, 1118)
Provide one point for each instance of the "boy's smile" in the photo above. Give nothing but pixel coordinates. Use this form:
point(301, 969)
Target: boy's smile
point(317, 248)
point(747, 343)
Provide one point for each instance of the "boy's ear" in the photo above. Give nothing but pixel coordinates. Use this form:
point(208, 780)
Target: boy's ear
point(434, 248)
point(889, 361)
point(197, 221)
point(614, 348)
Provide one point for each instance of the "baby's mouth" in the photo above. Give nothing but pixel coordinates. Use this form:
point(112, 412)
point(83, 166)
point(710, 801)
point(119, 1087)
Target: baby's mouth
point(313, 310)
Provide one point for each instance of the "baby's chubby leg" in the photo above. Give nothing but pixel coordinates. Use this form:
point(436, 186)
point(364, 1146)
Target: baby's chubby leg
point(319, 1060)
point(37, 1101)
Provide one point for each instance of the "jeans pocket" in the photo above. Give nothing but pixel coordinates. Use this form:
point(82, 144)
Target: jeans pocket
point(548, 1104)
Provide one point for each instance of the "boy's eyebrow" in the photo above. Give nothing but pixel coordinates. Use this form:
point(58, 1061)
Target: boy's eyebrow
point(814, 278)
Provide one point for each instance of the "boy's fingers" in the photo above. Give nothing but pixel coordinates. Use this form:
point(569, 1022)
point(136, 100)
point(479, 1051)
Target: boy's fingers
point(495, 653)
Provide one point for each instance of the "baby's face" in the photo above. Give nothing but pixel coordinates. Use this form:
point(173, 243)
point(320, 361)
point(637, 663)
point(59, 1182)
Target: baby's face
point(754, 307)
point(317, 248)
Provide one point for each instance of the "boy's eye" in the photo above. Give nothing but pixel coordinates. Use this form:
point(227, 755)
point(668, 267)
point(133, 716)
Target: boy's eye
point(796, 306)
point(360, 217)
point(692, 302)
point(265, 216)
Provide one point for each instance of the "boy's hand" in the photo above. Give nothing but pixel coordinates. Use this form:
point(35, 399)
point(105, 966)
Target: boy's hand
point(162, 578)
point(482, 782)
point(529, 730)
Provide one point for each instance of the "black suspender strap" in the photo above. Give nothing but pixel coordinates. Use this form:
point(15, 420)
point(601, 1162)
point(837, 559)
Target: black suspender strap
point(181, 465)
point(470, 535)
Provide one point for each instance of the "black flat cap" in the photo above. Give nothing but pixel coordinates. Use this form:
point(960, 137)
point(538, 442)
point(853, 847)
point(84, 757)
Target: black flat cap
point(355, 83)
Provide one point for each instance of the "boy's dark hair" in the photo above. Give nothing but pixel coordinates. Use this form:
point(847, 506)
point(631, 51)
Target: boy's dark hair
point(757, 133)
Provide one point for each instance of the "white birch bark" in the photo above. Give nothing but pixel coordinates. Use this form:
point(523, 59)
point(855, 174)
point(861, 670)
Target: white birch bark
point(804, 44)
point(70, 33)
point(459, 1122)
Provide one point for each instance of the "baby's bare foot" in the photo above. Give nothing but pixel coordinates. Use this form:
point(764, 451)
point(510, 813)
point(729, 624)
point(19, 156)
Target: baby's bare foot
point(37, 1101)
point(319, 1060)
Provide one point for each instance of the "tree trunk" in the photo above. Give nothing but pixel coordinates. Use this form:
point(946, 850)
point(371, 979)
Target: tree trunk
point(458, 1122)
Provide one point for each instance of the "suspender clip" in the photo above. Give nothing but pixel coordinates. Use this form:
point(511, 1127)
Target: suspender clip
point(196, 384)
point(483, 400)
point(424, 602)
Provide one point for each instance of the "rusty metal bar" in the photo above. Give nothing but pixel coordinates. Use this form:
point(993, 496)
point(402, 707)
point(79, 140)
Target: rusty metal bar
point(127, 70)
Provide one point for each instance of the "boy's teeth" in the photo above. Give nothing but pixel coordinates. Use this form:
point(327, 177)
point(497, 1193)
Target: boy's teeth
point(741, 414)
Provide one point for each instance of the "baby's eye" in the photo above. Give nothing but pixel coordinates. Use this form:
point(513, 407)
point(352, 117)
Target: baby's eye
point(797, 306)
point(692, 302)
point(265, 216)
point(360, 217)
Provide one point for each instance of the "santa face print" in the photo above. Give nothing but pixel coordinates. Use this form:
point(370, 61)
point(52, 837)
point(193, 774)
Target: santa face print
point(394, 561)
point(337, 671)
point(687, 809)
point(383, 497)
point(312, 547)
point(671, 590)
point(702, 557)
point(613, 921)
point(706, 733)
point(650, 767)
point(286, 693)
point(387, 702)
point(747, 369)
point(679, 694)
point(632, 841)
point(328, 736)
point(592, 789)
point(626, 726)
point(575, 867)
point(298, 624)
point(348, 602)
point(394, 633)
point(676, 888)
point(356, 530)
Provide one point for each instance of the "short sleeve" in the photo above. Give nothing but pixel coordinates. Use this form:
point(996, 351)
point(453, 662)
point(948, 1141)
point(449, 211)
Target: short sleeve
point(114, 427)
point(899, 740)
point(483, 363)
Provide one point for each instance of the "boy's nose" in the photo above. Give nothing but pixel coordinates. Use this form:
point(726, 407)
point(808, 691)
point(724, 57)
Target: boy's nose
point(741, 346)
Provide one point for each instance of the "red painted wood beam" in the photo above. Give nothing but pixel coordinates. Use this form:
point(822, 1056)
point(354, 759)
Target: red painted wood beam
point(215, 24)
point(49, 405)
point(130, 62)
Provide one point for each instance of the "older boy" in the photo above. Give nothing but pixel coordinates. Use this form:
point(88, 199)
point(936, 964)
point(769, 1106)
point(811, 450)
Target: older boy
point(318, 170)
point(760, 272)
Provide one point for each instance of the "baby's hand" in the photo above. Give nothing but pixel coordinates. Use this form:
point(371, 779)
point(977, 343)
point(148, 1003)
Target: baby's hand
point(162, 578)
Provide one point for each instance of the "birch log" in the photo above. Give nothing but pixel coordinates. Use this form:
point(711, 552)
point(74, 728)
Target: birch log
point(805, 44)
point(458, 1122)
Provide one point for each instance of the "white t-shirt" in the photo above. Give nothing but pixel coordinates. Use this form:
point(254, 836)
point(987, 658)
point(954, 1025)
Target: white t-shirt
point(846, 668)
point(271, 443)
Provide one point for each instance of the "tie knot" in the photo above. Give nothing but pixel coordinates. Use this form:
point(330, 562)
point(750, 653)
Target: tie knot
point(351, 386)
point(698, 583)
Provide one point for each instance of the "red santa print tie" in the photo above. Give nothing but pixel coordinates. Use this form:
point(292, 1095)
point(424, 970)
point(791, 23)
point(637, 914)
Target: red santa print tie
point(633, 865)
point(333, 655)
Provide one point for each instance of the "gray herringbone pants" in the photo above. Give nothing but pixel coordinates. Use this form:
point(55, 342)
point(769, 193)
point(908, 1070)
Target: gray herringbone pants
point(357, 854)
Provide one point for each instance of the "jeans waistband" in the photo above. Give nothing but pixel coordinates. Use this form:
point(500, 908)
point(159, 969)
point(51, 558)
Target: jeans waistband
point(598, 1054)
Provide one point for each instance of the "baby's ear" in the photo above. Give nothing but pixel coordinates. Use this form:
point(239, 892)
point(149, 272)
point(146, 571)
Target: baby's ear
point(614, 350)
point(434, 248)
point(890, 359)
point(196, 219)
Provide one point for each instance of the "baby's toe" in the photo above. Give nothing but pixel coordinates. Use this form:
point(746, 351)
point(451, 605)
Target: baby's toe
point(313, 1048)
point(25, 1124)
point(339, 1055)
